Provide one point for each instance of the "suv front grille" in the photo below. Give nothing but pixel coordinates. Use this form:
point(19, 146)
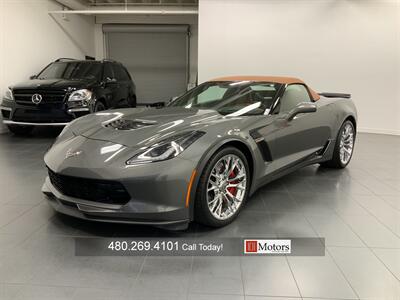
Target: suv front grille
point(41, 115)
point(103, 191)
point(24, 97)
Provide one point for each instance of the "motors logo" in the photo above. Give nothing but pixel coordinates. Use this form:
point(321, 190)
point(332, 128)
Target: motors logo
point(267, 246)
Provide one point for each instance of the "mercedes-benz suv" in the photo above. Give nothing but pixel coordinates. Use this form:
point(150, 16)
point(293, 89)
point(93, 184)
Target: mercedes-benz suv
point(64, 90)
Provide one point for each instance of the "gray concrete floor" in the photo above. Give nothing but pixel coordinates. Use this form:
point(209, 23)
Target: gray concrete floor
point(357, 210)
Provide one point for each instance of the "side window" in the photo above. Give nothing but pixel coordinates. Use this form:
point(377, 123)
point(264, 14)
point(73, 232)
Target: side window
point(293, 95)
point(108, 72)
point(120, 73)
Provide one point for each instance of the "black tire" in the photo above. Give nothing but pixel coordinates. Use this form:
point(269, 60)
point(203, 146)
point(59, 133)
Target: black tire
point(336, 162)
point(132, 101)
point(20, 129)
point(202, 212)
point(99, 106)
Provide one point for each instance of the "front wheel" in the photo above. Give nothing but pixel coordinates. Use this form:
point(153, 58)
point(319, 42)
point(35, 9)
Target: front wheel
point(20, 129)
point(99, 106)
point(344, 147)
point(223, 188)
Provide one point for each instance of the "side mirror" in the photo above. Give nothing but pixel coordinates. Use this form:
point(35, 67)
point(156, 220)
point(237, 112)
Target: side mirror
point(301, 108)
point(110, 80)
point(32, 77)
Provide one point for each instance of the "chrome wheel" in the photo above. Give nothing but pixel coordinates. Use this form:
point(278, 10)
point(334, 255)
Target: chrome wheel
point(346, 143)
point(226, 187)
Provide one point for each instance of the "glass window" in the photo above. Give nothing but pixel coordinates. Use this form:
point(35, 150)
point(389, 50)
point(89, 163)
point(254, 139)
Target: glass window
point(72, 70)
point(231, 97)
point(120, 73)
point(108, 72)
point(211, 93)
point(293, 95)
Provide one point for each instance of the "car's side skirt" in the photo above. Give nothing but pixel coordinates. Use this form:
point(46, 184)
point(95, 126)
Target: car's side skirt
point(308, 160)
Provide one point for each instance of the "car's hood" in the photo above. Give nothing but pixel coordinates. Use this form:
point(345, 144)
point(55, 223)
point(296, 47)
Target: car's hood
point(53, 84)
point(143, 126)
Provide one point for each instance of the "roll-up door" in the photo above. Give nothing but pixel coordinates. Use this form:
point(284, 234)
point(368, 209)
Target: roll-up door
point(156, 56)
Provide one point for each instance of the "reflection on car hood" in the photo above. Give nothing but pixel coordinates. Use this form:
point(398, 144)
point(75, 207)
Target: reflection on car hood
point(54, 84)
point(143, 126)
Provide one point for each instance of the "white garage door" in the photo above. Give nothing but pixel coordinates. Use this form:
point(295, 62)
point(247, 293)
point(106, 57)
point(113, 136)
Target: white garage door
point(155, 56)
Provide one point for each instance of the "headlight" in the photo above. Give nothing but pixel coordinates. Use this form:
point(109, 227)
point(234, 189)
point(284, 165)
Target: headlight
point(9, 95)
point(166, 149)
point(80, 98)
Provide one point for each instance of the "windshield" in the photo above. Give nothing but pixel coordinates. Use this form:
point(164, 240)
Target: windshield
point(72, 70)
point(232, 98)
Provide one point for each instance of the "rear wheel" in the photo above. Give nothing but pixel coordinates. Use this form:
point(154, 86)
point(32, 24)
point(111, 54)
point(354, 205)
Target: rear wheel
point(223, 188)
point(132, 101)
point(344, 146)
point(20, 129)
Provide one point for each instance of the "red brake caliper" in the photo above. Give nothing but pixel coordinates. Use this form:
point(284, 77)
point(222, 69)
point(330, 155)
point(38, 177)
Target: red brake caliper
point(231, 189)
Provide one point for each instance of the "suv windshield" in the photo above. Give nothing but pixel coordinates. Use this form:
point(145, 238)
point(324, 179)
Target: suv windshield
point(72, 70)
point(232, 98)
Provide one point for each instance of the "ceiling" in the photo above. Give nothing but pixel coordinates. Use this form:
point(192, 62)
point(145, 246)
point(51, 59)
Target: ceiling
point(139, 2)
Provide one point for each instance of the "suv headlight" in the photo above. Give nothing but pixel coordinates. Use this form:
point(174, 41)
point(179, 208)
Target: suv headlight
point(80, 97)
point(166, 149)
point(9, 95)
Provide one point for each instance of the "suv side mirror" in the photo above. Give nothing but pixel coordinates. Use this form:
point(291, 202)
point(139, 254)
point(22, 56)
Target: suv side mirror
point(32, 77)
point(301, 108)
point(110, 80)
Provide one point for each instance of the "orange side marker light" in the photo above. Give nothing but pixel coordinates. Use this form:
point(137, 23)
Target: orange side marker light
point(190, 187)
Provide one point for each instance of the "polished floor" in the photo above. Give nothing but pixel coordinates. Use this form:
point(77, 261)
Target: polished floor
point(357, 210)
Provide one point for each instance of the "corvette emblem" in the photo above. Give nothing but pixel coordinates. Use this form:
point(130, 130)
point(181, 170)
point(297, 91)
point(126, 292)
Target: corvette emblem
point(71, 153)
point(36, 98)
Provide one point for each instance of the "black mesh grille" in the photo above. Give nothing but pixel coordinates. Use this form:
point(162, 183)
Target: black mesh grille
point(41, 115)
point(104, 191)
point(48, 96)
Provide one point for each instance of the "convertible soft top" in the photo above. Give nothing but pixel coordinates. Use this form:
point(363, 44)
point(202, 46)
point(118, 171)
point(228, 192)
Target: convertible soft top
point(277, 79)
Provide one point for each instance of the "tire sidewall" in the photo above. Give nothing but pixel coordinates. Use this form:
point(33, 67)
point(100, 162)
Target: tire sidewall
point(202, 212)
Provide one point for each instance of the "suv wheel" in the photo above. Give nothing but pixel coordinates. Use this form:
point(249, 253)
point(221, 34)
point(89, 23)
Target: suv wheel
point(99, 106)
point(132, 101)
point(223, 188)
point(20, 129)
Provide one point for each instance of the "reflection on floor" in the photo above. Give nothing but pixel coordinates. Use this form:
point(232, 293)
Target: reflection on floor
point(357, 210)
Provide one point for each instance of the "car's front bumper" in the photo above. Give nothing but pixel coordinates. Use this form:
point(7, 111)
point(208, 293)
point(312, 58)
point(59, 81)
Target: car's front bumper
point(46, 115)
point(158, 194)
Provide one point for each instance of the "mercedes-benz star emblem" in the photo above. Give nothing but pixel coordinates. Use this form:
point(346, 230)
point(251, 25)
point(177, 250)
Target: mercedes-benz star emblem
point(71, 153)
point(36, 98)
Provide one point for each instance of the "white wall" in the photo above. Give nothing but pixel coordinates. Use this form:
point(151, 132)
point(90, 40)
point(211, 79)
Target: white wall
point(30, 38)
point(191, 20)
point(334, 45)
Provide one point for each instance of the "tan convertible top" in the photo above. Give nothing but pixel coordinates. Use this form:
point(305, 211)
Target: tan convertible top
point(277, 79)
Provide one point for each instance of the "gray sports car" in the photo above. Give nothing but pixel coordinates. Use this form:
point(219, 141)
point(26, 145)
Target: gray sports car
point(200, 157)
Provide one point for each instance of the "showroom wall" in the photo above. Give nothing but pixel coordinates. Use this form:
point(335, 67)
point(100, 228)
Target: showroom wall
point(334, 45)
point(30, 38)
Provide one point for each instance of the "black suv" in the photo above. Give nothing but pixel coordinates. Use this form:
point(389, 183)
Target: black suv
point(64, 90)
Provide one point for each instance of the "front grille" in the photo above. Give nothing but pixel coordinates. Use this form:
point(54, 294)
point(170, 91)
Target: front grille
point(24, 97)
point(103, 191)
point(41, 115)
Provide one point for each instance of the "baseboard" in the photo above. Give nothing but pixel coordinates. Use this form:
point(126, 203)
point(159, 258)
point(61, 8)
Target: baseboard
point(378, 131)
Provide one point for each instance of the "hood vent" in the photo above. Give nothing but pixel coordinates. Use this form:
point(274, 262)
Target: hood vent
point(124, 124)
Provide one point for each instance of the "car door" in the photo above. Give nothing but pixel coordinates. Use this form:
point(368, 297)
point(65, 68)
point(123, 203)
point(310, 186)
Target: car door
point(302, 136)
point(122, 94)
point(111, 85)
